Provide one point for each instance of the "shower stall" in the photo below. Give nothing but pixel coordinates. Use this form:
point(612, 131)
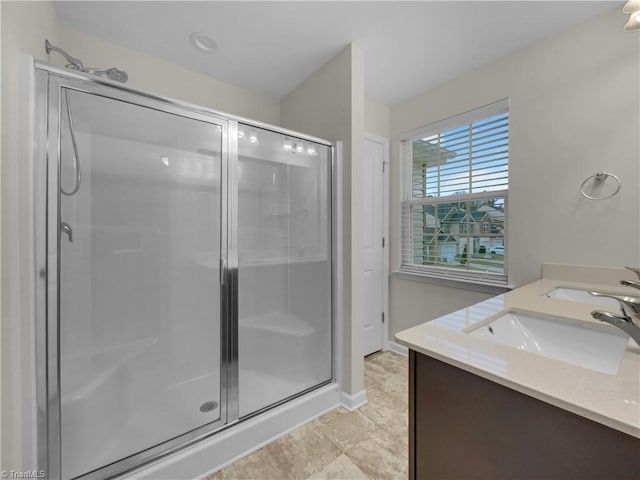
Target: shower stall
point(184, 263)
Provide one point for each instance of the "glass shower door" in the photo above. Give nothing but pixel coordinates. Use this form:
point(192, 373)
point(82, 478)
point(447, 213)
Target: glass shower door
point(284, 267)
point(140, 347)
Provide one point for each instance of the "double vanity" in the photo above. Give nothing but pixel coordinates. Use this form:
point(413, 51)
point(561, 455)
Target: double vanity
point(528, 384)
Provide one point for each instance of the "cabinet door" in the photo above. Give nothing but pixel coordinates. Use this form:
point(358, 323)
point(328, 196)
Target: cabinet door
point(465, 426)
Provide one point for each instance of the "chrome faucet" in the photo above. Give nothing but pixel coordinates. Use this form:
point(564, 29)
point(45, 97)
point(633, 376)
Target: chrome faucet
point(623, 323)
point(630, 306)
point(629, 321)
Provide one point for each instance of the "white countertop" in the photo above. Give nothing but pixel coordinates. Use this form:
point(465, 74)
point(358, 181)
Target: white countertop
point(612, 400)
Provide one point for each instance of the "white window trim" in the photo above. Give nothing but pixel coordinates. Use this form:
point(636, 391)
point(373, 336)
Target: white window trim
point(476, 286)
point(442, 275)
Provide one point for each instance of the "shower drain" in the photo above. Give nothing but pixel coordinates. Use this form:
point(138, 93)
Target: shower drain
point(208, 406)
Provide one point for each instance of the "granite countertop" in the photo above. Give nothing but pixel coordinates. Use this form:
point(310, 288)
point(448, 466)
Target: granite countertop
point(612, 400)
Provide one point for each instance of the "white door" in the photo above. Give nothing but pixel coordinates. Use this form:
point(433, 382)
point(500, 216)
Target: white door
point(373, 238)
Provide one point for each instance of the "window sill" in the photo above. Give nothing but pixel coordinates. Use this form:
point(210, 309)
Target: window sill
point(477, 286)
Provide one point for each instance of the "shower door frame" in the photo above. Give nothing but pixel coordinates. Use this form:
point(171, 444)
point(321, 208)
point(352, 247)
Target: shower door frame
point(47, 220)
point(50, 87)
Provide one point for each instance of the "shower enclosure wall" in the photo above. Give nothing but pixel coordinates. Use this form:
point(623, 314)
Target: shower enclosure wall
point(185, 273)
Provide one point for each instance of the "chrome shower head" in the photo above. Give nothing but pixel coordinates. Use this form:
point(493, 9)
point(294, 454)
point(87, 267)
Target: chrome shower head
point(117, 75)
point(114, 74)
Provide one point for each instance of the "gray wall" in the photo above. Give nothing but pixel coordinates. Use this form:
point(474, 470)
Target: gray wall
point(574, 111)
point(377, 118)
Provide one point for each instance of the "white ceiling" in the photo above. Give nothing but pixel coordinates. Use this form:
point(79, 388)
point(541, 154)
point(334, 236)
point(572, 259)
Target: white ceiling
point(270, 47)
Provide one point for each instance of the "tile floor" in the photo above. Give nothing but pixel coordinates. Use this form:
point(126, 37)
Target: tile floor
point(369, 443)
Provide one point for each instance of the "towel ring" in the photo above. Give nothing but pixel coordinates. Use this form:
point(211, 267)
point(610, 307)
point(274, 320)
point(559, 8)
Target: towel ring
point(599, 178)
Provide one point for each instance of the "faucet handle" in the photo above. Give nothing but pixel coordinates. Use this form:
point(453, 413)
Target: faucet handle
point(634, 270)
point(630, 306)
point(630, 283)
point(611, 318)
point(623, 323)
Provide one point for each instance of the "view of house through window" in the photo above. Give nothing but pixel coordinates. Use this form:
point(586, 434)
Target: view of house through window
point(454, 210)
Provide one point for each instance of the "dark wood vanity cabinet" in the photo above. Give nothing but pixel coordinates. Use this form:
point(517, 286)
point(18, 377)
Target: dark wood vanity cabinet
point(462, 426)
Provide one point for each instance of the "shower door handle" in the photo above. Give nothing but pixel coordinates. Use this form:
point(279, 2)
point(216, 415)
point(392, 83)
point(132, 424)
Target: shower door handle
point(223, 268)
point(66, 228)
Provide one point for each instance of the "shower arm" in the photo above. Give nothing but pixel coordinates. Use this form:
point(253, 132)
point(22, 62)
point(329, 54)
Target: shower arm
point(74, 63)
point(115, 74)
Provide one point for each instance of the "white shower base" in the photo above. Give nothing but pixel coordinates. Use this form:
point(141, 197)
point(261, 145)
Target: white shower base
point(174, 408)
point(226, 447)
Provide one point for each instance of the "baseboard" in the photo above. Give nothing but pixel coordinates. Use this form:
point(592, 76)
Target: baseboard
point(353, 402)
point(397, 348)
point(230, 445)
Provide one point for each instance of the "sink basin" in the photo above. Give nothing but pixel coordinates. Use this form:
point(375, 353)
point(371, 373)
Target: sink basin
point(575, 295)
point(555, 338)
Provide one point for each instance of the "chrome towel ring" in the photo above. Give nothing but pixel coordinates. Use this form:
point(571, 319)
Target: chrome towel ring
point(598, 178)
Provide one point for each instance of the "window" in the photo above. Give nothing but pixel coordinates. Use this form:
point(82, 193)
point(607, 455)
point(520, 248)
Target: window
point(455, 197)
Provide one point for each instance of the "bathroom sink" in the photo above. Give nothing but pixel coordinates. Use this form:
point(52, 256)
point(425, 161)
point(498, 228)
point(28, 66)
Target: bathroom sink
point(583, 296)
point(577, 344)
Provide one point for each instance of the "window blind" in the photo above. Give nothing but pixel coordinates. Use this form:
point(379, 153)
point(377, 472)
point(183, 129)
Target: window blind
point(453, 222)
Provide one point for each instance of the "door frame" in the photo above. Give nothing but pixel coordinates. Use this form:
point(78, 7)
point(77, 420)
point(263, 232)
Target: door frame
point(385, 232)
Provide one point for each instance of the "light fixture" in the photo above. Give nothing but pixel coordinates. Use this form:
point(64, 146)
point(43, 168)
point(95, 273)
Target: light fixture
point(299, 147)
point(287, 145)
point(311, 149)
point(632, 8)
point(204, 42)
point(240, 134)
point(253, 137)
point(633, 23)
point(165, 160)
